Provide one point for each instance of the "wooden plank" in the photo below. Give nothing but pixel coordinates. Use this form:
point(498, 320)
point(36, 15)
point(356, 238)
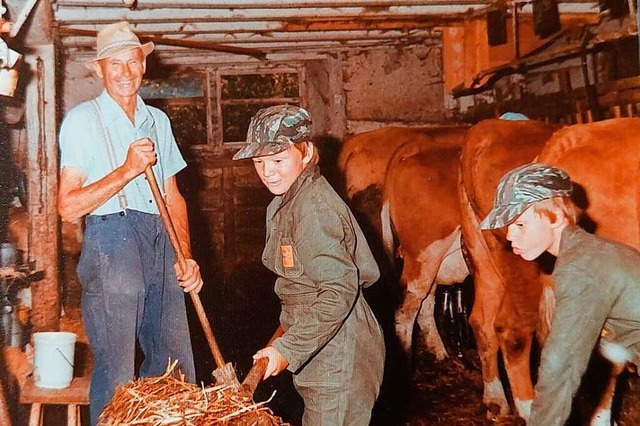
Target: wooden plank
point(76, 393)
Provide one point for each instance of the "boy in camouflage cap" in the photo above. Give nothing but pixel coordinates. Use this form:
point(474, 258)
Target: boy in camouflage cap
point(597, 284)
point(332, 343)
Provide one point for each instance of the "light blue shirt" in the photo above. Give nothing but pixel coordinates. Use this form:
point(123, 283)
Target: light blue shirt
point(83, 146)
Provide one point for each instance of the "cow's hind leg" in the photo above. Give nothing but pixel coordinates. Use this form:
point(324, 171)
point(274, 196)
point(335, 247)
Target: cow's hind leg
point(619, 356)
point(428, 329)
point(418, 285)
point(482, 321)
point(442, 262)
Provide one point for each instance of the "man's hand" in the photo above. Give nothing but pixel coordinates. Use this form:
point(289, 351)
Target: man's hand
point(189, 279)
point(277, 363)
point(140, 154)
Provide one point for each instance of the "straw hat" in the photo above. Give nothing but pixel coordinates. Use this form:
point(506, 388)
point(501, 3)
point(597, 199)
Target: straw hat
point(117, 38)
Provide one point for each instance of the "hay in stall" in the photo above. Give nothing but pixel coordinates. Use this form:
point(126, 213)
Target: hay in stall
point(169, 400)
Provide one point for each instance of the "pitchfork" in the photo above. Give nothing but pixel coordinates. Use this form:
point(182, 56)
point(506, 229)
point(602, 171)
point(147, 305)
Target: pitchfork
point(224, 374)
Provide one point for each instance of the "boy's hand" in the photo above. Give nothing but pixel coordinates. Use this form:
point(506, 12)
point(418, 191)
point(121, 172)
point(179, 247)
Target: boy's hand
point(277, 362)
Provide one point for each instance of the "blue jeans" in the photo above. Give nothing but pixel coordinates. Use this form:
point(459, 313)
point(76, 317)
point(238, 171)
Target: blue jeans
point(129, 292)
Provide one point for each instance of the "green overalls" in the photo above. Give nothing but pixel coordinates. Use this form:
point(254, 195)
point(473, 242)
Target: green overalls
point(597, 285)
point(332, 340)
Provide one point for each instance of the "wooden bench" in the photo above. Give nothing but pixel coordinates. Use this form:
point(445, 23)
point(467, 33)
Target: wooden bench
point(73, 396)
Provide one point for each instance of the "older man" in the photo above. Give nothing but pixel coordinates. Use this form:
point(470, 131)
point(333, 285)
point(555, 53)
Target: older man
point(131, 288)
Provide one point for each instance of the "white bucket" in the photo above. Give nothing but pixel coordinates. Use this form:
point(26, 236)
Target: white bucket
point(53, 359)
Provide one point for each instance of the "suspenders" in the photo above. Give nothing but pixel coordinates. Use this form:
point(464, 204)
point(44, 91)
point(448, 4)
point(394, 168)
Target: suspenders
point(122, 199)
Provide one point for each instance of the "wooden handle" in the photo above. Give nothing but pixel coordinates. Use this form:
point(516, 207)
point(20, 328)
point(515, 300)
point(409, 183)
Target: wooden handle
point(253, 378)
point(175, 243)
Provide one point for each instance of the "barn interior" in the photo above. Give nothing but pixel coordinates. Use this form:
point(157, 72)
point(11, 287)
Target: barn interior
point(356, 65)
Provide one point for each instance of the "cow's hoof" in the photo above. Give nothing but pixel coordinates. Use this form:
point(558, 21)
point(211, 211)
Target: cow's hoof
point(495, 411)
point(510, 421)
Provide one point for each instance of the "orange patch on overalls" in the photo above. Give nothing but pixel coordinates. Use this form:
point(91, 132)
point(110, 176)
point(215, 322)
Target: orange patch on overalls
point(287, 256)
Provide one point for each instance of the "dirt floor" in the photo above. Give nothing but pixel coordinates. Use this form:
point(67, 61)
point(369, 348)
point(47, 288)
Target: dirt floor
point(450, 393)
point(433, 393)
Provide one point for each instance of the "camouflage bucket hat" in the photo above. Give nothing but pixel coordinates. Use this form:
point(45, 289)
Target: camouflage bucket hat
point(522, 187)
point(274, 129)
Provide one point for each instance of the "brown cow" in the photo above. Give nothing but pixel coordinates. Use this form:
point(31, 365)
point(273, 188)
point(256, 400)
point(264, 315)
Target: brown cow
point(420, 205)
point(507, 288)
point(364, 157)
point(363, 162)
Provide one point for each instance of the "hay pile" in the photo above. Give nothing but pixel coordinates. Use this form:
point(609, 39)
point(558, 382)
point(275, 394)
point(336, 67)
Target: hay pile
point(168, 400)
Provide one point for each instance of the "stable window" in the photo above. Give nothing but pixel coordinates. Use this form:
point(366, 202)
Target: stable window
point(210, 109)
point(241, 94)
point(183, 99)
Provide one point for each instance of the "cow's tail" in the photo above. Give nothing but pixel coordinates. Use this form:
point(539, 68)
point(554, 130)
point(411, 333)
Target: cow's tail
point(546, 310)
point(387, 231)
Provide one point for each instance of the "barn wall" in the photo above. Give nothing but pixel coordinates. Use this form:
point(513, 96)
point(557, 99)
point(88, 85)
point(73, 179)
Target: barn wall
point(78, 85)
point(326, 96)
point(470, 62)
point(393, 85)
point(467, 52)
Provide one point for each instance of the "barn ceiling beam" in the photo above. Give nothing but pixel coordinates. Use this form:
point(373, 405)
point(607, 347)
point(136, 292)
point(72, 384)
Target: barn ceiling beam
point(267, 4)
point(271, 4)
point(299, 46)
point(105, 15)
point(205, 45)
point(230, 39)
point(102, 15)
point(257, 27)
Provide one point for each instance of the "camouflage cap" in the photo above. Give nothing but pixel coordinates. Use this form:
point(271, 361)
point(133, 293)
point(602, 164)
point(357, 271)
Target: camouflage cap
point(274, 129)
point(522, 187)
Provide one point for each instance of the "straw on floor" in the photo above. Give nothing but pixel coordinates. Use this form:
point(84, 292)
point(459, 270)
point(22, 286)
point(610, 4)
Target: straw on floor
point(169, 400)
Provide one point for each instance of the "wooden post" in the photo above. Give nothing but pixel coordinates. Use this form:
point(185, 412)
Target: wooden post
point(42, 151)
point(589, 116)
point(616, 111)
point(5, 418)
point(578, 117)
point(629, 110)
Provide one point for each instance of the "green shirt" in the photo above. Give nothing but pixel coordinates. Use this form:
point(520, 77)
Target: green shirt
point(322, 260)
point(597, 285)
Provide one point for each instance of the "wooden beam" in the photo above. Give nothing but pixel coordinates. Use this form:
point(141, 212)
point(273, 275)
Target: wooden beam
point(175, 42)
point(42, 151)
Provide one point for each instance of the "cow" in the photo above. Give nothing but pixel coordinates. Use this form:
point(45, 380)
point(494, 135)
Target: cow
point(364, 162)
point(420, 211)
point(508, 289)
